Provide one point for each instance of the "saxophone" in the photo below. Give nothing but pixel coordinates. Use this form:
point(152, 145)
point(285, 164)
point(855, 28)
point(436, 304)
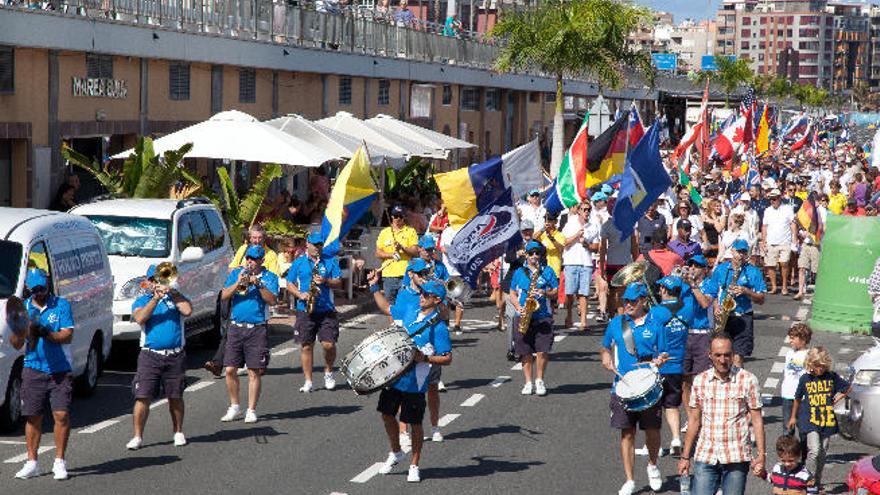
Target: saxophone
point(728, 304)
point(314, 290)
point(530, 305)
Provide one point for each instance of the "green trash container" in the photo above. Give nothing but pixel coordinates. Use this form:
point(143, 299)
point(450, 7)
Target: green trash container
point(850, 247)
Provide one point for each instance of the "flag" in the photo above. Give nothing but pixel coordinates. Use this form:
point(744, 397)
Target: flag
point(762, 142)
point(814, 145)
point(485, 237)
point(729, 143)
point(685, 181)
point(636, 130)
point(795, 127)
point(571, 183)
point(748, 101)
point(754, 175)
point(703, 138)
point(607, 153)
point(467, 190)
point(690, 137)
point(644, 180)
point(808, 218)
point(803, 140)
point(522, 169)
point(351, 197)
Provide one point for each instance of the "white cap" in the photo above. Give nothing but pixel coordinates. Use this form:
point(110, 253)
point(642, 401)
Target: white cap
point(745, 197)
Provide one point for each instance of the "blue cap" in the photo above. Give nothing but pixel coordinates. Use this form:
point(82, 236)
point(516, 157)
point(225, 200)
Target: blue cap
point(740, 245)
point(607, 189)
point(417, 265)
point(698, 259)
point(427, 242)
point(634, 291)
point(256, 252)
point(534, 192)
point(315, 238)
point(434, 288)
point(599, 196)
point(151, 271)
point(670, 282)
point(534, 245)
point(36, 277)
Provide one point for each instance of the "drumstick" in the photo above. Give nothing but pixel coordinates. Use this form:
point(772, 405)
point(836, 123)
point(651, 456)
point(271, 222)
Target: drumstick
point(621, 378)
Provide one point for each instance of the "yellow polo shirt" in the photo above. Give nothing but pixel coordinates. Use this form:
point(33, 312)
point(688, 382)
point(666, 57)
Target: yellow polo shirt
point(554, 256)
point(406, 237)
point(270, 260)
point(836, 203)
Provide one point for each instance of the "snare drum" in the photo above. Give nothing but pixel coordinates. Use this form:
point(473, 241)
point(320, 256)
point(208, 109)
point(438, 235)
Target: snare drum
point(640, 389)
point(378, 360)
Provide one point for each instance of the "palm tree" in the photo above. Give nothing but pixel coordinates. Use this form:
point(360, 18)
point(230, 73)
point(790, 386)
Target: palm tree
point(242, 212)
point(572, 39)
point(732, 74)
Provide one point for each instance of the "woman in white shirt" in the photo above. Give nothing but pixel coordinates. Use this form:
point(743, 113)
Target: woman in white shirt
point(736, 229)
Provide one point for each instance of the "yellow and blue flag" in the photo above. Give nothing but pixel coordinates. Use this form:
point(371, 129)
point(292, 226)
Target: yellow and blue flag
point(351, 197)
point(469, 190)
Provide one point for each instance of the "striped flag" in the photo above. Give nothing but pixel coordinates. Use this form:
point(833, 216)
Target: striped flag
point(571, 183)
point(685, 181)
point(808, 218)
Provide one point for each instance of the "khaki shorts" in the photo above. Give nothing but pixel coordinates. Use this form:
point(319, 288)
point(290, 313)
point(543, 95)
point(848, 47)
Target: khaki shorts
point(780, 253)
point(809, 258)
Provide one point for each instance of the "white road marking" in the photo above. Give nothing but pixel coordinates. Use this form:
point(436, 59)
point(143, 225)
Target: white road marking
point(472, 400)
point(12, 442)
point(23, 457)
point(771, 382)
point(786, 318)
point(559, 338)
point(517, 366)
point(766, 399)
point(499, 381)
point(802, 313)
point(357, 320)
point(99, 426)
point(200, 385)
point(845, 350)
point(284, 351)
point(367, 474)
point(783, 351)
point(158, 403)
point(338, 493)
point(777, 368)
point(446, 419)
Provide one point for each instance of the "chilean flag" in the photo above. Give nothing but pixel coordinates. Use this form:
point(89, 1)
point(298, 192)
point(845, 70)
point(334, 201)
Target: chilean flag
point(729, 142)
point(804, 140)
point(636, 130)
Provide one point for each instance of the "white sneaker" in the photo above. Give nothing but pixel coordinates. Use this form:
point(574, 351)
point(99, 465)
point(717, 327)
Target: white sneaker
point(179, 439)
point(30, 470)
point(627, 488)
point(233, 413)
point(436, 436)
point(307, 387)
point(684, 428)
point(393, 459)
point(675, 446)
point(527, 389)
point(540, 388)
point(405, 441)
point(59, 469)
point(441, 387)
point(329, 381)
point(413, 476)
point(135, 443)
point(642, 451)
point(250, 416)
point(242, 371)
point(655, 479)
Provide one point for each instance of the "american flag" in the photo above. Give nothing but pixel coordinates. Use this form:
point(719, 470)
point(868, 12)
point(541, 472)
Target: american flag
point(748, 100)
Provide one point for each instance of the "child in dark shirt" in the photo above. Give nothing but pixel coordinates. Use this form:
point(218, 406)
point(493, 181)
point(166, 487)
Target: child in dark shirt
point(789, 476)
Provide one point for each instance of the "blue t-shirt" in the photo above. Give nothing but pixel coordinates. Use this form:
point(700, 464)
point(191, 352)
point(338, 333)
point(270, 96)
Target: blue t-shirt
point(816, 393)
point(434, 341)
point(250, 307)
point(49, 357)
point(440, 272)
point(673, 336)
point(406, 303)
point(645, 338)
point(701, 315)
point(164, 329)
point(521, 282)
point(750, 277)
point(300, 274)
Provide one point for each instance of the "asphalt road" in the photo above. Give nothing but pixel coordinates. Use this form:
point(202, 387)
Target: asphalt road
point(497, 441)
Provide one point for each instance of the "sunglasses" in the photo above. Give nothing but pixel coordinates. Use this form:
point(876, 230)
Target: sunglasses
point(534, 253)
point(396, 216)
point(426, 294)
point(423, 273)
point(39, 290)
point(251, 258)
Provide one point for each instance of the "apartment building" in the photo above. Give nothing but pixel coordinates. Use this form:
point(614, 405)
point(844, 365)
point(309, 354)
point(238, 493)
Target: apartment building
point(691, 41)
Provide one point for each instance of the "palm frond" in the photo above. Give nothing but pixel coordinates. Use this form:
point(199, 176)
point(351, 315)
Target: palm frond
point(253, 200)
point(111, 182)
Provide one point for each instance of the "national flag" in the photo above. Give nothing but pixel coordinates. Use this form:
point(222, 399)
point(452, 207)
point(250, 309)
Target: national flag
point(522, 170)
point(685, 181)
point(753, 178)
point(571, 183)
point(703, 138)
point(468, 190)
point(351, 197)
point(644, 180)
point(485, 237)
point(729, 143)
point(796, 127)
point(607, 153)
point(814, 145)
point(690, 137)
point(636, 130)
point(808, 217)
point(803, 140)
point(748, 101)
point(762, 142)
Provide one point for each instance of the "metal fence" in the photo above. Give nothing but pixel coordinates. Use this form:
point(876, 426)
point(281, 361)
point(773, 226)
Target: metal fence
point(355, 30)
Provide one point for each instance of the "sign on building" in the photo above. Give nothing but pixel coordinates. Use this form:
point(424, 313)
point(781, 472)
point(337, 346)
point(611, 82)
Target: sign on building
point(100, 87)
point(708, 62)
point(665, 61)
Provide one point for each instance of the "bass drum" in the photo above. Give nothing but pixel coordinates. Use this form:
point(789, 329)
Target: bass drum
point(378, 360)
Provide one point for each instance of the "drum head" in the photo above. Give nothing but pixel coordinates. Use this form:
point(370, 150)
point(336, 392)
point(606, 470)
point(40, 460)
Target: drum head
point(636, 383)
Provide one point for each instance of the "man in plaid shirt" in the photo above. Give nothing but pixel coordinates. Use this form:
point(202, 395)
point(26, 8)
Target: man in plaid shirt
point(723, 401)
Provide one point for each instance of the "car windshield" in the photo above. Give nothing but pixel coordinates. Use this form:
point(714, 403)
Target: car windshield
point(132, 236)
point(10, 265)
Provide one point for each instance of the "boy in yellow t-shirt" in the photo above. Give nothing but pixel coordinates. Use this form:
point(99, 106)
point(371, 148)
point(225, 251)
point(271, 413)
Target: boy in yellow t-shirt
point(554, 243)
point(395, 246)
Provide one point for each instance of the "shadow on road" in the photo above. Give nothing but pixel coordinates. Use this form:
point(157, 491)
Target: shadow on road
point(488, 431)
point(468, 384)
point(484, 466)
point(125, 464)
point(259, 434)
point(579, 388)
point(574, 356)
point(312, 412)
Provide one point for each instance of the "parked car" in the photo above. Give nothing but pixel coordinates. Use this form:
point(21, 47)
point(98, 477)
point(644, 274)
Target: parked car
point(189, 233)
point(864, 478)
point(858, 416)
point(71, 252)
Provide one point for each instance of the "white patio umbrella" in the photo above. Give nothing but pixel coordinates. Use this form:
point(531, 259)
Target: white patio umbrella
point(338, 143)
point(427, 137)
point(235, 135)
point(349, 124)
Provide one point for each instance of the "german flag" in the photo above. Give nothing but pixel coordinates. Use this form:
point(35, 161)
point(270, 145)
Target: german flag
point(808, 218)
point(606, 155)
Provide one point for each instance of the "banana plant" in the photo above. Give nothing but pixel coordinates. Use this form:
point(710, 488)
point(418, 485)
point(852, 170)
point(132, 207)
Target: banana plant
point(241, 212)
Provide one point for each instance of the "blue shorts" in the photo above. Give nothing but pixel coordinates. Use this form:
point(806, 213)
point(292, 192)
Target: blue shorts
point(577, 279)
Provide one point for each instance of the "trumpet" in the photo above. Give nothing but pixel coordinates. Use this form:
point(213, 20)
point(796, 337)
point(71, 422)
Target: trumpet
point(245, 284)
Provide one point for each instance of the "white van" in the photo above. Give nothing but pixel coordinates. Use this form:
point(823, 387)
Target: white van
point(70, 250)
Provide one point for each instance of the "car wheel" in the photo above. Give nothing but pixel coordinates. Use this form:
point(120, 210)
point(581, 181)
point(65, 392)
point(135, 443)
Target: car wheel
point(88, 381)
point(10, 413)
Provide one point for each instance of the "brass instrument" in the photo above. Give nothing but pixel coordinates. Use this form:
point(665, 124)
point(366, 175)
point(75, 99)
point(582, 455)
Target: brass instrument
point(728, 304)
point(456, 290)
point(530, 305)
point(314, 290)
point(631, 273)
point(245, 284)
point(166, 274)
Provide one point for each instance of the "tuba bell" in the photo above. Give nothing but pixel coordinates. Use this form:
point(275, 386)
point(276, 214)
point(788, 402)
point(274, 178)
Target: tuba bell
point(456, 290)
point(633, 272)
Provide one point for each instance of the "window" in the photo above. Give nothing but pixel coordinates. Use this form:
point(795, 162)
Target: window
point(7, 69)
point(39, 258)
point(99, 66)
point(184, 234)
point(5, 172)
point(534, 97)
point(10, 264)
point(384, 92)
point(447, 94)
point(345, 91)
point(201, 235)
point(420, 101)
point(549, 97)
point(132, 236)
point(178, 81)
point(218, 230)
point(746, 33)
point(470, 99)
point(247, 85)
point(493, 100)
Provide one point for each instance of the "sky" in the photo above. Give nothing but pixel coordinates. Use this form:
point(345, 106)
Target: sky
point(683, 9)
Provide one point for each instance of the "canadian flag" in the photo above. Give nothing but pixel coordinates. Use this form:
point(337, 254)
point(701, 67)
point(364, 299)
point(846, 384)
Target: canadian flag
point(728, 143)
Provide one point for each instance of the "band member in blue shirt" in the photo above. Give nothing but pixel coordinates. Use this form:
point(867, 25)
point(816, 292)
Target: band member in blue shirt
point(427, 252)
point(252, 289)
point(47, 371)
point(701, 291)
point(538, 337)
point(160, 314)
point(747, 287)
point(406, 395)
point(321, 323)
